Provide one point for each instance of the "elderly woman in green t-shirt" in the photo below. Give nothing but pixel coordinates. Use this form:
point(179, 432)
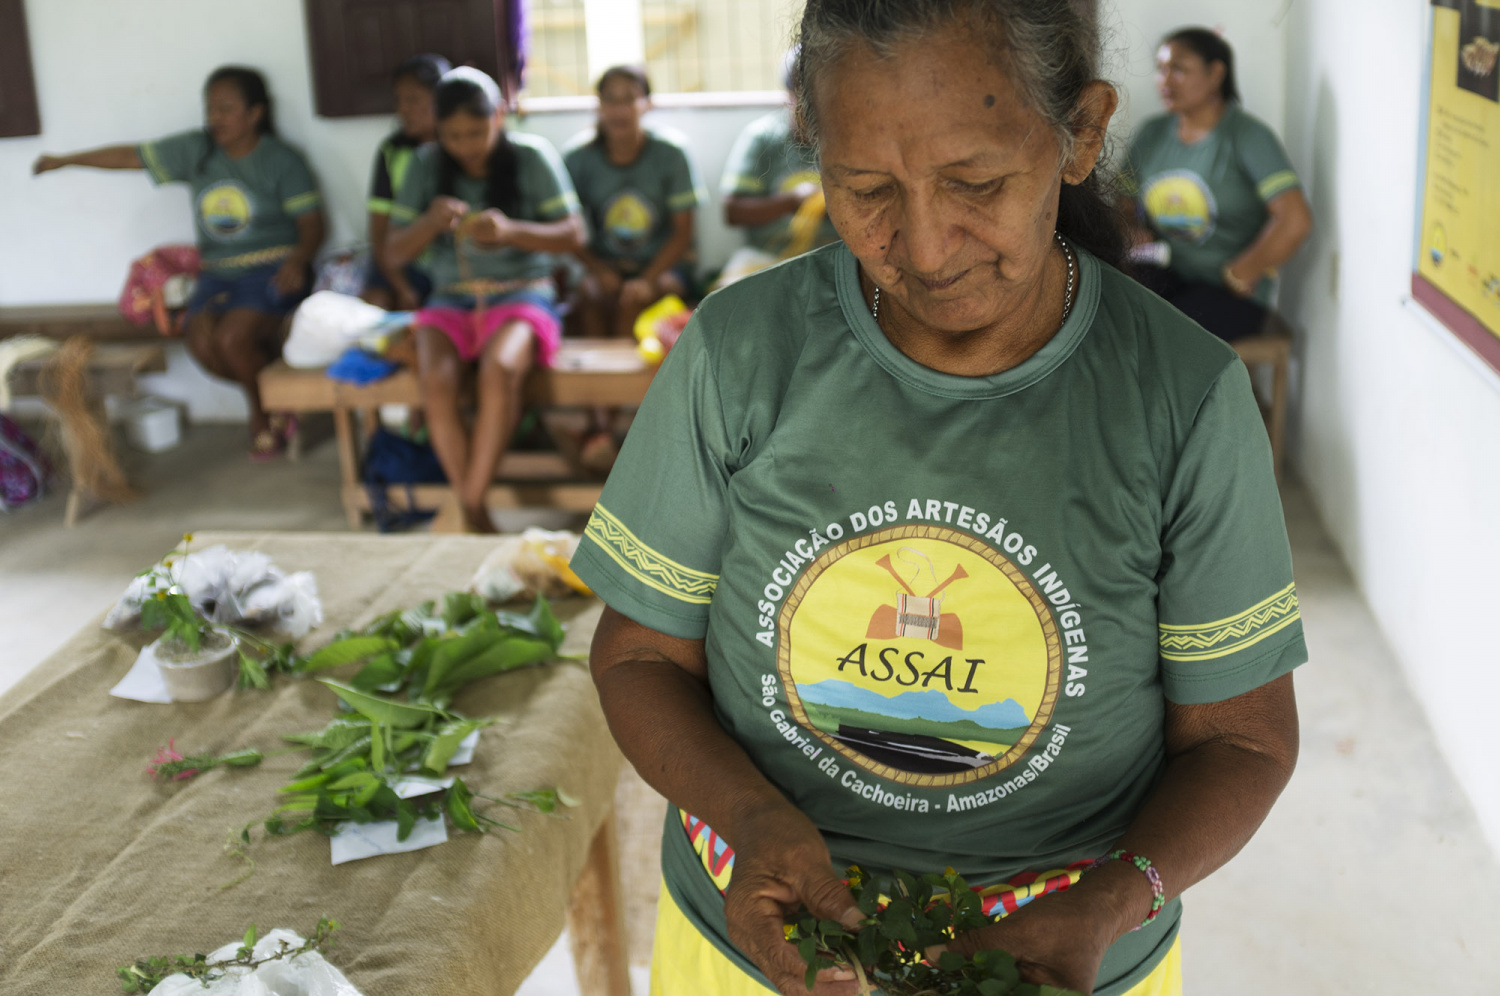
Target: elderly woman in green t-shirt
point(947, 544)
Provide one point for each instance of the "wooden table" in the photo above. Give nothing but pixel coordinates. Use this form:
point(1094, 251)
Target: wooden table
point(101, 865)
point(586, 373)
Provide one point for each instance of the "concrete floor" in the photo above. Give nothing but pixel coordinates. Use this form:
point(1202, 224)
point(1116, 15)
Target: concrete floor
point(1371, 876)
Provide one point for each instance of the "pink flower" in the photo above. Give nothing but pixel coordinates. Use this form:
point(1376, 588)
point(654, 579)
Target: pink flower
point(168, 762)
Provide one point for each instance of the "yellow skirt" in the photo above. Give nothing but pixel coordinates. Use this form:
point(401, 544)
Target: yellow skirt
point(685, 963)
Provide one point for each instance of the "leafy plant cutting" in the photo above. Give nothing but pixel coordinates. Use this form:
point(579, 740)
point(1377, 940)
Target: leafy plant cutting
point(887, 953)
point(144, 974)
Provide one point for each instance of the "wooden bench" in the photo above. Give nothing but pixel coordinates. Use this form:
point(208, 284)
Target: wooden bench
point(1272, 347)
point(586, 373)
point(100, 322)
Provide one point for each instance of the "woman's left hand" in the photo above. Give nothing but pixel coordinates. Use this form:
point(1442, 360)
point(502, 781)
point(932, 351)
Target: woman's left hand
point(1057, 940)
point(1239, 284)
point(290, 278)
point(489, 228)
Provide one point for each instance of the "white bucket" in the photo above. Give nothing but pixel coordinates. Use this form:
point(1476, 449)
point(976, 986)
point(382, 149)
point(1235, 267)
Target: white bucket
point(152, 424)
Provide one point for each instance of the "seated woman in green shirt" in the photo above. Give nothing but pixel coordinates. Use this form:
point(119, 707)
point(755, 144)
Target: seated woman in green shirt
point(259, 222)
point(947, 544)
point(493, 209)
point(1219, 204)
point(413, 81)
point(638, 189)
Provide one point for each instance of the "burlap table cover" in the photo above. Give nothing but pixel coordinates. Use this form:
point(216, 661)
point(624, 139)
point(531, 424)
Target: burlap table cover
point(100, 865)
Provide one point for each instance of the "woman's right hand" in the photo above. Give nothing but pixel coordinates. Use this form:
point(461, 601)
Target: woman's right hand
point(445, 213)
point(46, 164)
point(780, 865)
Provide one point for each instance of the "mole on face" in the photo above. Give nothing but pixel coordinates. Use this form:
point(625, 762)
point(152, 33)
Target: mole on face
point(989, 100)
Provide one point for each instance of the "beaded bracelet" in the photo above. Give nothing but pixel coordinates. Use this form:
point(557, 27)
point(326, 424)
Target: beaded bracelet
point(1158, 893)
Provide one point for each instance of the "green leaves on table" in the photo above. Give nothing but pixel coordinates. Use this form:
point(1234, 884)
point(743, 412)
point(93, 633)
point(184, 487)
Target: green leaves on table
point(887, 952)
point(400, 721)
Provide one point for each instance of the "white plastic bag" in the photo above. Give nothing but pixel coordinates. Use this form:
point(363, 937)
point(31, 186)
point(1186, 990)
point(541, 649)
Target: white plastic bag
point(328, 323)
point(308, 974)
point(536, 562)
point(232, 587)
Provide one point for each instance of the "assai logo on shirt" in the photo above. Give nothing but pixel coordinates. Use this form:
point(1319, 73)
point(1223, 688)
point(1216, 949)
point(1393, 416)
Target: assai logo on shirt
point(921, 654)
point(1180, 205)
point(628, 222)
point(225, 209)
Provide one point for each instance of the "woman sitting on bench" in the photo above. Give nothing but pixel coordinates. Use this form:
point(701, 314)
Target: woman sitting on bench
point(493, 207)
point(259, 223)
point(1215, 187)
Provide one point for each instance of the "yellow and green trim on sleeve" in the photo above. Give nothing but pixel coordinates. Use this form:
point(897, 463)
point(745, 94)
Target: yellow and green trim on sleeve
point(380, 205)
point(686, 199)
point(746, 185)
point(560, 206)
point(1223, 637)
point(149, 159)
point(302, 203)
point(1277, 183)
point(650, 567)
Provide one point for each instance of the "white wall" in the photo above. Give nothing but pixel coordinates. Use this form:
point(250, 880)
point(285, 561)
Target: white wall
point(1132, 29)
point(1399, 437)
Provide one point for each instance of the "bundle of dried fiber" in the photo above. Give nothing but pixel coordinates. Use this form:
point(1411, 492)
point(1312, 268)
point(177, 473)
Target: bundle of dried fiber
point(91, 458)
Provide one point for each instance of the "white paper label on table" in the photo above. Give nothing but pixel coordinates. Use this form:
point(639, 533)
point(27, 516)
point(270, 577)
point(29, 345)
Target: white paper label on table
point(143, 682)
point(465, 752)
point(354, 841)
point(408, 786)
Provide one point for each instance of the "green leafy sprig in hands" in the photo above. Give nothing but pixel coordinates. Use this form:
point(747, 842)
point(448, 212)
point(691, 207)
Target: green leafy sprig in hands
point(145, 974)
point(887, 953)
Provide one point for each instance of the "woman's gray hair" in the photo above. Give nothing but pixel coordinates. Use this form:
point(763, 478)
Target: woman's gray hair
point(1049, 48)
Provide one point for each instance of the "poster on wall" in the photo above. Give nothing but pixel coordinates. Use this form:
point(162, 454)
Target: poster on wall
point(1456, 273)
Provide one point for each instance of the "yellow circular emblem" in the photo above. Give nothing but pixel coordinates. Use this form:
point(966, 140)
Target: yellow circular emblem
point(224, 208)
point(628, 221)
point(1180, 204)
point(921, 654)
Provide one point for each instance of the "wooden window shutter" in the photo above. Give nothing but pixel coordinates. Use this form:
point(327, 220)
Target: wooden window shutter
point(18, 111)
point(354, 45)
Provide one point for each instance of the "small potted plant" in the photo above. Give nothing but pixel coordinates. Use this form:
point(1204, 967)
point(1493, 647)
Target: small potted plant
point(197, 658)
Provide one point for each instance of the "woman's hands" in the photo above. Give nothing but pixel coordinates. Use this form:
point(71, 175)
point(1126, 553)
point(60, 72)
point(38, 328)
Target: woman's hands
point(780, 865)
point(46, 164)
point(1240, 284)
point(489, 228)
point(445, 213)
point(290, 277)
point(1060, 939)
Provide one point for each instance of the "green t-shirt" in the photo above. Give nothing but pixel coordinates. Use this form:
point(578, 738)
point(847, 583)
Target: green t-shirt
point(1208, 199)
point(944, 614)
point(546, 195)
point(764, 161)
point(629, 208)
point(245, 209)
point(392, 160)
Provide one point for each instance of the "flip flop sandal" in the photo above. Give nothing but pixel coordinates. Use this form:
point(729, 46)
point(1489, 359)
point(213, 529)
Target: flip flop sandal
point(266, 445)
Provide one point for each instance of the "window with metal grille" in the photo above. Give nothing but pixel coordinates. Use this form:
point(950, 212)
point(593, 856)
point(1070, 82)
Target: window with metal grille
point(687, 46)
